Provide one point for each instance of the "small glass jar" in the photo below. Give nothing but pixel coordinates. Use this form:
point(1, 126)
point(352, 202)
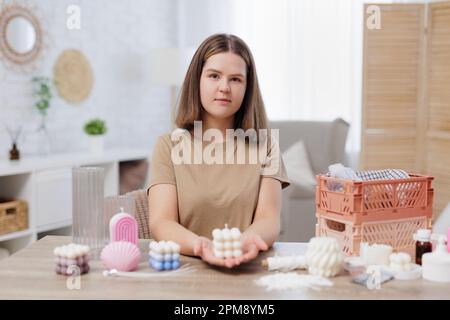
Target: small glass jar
point(423, 244)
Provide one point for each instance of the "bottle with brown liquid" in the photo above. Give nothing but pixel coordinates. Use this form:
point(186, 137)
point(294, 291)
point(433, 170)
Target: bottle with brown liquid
point(423, 244)
point(14, 153)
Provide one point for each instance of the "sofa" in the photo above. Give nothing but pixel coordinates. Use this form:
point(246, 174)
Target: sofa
point(324, 144)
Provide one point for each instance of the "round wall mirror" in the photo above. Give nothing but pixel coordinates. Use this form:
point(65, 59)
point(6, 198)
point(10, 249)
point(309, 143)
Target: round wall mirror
point(20, 35)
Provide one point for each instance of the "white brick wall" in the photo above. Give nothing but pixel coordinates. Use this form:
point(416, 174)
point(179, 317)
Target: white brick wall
point(116, 36)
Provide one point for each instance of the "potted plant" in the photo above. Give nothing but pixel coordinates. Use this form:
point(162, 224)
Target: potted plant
point(43, 93)
point(96, 130)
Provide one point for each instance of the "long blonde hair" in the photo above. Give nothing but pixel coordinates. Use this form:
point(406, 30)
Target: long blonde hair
point(251, 114)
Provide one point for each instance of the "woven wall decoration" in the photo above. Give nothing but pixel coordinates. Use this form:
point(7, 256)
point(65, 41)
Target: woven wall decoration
point(73, 76)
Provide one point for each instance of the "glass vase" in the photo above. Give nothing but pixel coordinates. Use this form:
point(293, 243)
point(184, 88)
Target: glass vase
point(43, 138)
point(88, 216)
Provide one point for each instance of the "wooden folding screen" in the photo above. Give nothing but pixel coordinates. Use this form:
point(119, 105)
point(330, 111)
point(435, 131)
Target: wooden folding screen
point(437, 139)
point(406, 93)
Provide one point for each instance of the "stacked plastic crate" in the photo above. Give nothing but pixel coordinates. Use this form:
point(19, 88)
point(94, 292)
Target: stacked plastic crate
point(377, 211)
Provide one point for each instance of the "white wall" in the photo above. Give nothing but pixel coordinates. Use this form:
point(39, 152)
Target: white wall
point(198, 19)
point(116, 36)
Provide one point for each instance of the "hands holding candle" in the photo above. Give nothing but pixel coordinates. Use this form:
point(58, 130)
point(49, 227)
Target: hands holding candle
point(230, 248)
point(252, 244)
point(227, 243)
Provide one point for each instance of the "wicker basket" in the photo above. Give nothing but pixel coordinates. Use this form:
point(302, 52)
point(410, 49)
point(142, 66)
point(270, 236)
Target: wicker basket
point(13, 216)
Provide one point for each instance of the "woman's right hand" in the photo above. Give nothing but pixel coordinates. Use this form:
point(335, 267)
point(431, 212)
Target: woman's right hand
point(204, 249)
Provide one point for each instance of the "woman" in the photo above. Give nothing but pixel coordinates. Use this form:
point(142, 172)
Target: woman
point(187, 200)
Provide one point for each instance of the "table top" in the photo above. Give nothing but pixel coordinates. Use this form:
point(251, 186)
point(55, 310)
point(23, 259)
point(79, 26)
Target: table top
point(29, 274)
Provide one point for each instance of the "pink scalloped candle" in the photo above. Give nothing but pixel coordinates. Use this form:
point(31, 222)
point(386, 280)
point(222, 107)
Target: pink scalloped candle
point(123, 227)
point(121, 255)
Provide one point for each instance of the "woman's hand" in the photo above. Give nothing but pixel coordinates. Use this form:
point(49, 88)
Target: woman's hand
point(252, 243)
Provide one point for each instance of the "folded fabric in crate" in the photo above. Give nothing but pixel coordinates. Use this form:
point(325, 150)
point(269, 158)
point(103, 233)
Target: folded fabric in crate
point(337, 170)
point(386, 174)
point(384, 198)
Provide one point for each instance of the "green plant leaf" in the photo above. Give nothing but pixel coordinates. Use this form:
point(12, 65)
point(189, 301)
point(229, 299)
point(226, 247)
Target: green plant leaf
point(43, 92)
point(95, 127)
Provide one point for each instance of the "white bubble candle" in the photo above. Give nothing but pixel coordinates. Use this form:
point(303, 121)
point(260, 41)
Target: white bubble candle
point(164, 255)
point(227, 242)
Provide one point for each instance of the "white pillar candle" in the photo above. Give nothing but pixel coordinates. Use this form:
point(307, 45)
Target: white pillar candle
point(375, 254)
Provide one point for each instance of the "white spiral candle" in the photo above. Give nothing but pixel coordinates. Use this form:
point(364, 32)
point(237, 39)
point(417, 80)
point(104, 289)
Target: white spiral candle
point(324, 257)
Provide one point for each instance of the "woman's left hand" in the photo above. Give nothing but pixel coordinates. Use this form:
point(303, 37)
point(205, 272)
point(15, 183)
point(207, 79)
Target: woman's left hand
point(252, 244)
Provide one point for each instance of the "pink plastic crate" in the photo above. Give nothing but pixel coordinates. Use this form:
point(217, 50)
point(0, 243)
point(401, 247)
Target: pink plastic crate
point(398, 232)
point(359, 201)
point(379, 211)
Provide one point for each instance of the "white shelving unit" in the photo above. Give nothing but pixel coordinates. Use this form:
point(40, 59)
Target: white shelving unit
point(46, 184)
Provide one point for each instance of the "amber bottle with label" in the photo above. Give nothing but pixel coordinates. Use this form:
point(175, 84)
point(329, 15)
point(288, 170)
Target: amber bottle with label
point(423, 244)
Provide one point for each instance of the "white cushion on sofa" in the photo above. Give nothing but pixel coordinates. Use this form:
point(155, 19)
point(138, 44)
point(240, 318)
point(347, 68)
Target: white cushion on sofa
point(299, 171)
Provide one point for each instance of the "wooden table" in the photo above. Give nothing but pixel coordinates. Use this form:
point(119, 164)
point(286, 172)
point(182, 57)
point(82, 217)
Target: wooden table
point(29, 274)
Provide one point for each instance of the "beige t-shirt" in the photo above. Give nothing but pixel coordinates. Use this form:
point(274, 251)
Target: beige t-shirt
point(212, 195)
